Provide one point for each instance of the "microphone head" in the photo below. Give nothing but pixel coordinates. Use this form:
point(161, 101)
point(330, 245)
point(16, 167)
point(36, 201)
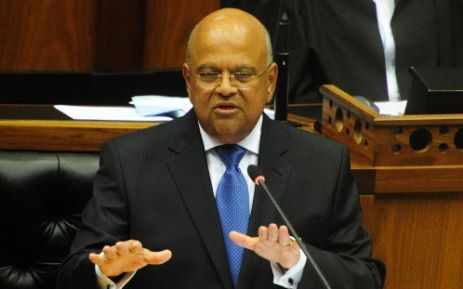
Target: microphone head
point(256, 174)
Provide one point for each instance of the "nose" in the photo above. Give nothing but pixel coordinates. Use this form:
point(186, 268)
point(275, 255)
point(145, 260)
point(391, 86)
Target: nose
point(225, 86)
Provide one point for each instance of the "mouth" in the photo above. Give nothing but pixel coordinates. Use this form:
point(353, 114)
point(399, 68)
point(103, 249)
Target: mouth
point(225, 108)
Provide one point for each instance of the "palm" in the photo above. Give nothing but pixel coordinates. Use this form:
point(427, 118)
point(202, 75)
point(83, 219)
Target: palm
point(127, 256)
point(127, 263)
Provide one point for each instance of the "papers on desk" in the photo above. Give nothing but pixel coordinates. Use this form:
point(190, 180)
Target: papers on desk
point(147, 108)
point(155, 105)
point(391, 107)
point(106, 113)
point(149, 105)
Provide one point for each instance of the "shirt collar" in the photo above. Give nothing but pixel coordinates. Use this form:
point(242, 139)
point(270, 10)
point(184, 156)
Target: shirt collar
point(250, 142)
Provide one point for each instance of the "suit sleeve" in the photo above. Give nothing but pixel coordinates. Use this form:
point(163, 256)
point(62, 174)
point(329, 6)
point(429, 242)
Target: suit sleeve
point(346, 262)
point(104, 222)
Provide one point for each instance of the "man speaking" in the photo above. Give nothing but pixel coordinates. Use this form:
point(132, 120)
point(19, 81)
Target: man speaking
point(173, 207)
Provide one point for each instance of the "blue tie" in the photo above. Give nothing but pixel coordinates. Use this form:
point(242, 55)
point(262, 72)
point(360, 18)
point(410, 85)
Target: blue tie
point(232, 203)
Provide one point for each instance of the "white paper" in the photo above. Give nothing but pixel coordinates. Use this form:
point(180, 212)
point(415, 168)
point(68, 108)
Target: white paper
point(117, 113)
point(148, 105)
point(147, 108)
point(152, 105)
point(391, 107)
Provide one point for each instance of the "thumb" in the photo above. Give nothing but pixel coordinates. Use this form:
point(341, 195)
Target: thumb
point(157, 258)
point(242, 240)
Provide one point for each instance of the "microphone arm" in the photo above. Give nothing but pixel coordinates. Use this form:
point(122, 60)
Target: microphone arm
point(256, 175)
point(282, 58)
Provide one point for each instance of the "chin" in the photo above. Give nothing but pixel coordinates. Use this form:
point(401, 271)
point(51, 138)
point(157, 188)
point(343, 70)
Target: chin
point(228, 135)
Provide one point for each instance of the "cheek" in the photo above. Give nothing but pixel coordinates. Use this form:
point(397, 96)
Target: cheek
point(200, 101)
point(195, 95)
point(257, 99)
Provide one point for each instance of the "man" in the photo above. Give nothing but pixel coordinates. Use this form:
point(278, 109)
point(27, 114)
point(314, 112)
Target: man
point(158, 204)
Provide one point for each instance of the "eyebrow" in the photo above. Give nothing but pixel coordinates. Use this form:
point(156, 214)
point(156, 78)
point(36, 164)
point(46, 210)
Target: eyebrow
point(207, 65)
point(238, 67)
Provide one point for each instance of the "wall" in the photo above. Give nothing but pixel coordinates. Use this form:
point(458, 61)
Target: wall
point(100, 35)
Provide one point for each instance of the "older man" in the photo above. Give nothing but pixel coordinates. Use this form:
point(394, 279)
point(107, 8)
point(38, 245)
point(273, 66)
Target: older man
point(172, 208)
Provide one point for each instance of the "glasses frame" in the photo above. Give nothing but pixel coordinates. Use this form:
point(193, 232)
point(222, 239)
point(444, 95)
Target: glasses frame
point(232, 78)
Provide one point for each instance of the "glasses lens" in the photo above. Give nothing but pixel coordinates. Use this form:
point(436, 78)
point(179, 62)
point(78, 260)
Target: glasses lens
point(208, 76)
point(244, 76)
point(239, 78)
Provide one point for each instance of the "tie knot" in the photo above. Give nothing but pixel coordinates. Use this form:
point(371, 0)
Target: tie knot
point(230, 154)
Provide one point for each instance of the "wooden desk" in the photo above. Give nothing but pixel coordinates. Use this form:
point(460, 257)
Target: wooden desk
point(45, 129)
point(412, 166)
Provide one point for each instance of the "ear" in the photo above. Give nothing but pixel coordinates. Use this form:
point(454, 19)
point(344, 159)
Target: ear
point(272, 80)
point(187, 76)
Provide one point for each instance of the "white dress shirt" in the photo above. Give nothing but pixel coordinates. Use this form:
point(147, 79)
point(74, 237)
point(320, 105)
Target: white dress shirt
point(384, 13)
point(216, 167)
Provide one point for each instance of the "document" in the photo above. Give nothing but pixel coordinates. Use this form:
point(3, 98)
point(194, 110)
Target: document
point(155, 105)
point(117, 113)
point(146, 108)
point(391, 107)
point(174, 106)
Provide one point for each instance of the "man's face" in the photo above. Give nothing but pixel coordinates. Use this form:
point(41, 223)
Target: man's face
point(229, 105)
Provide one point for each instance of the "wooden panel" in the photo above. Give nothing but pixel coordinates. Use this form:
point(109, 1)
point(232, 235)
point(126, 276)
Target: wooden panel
point(168, 25)
point(120, 35)
point(101, 35)
point(419, 237)
point(419, 180)
point(46, 35)
point(413, 165)
point(79, 136)
point(352, 126)
point(382, 140)
point(408, 179)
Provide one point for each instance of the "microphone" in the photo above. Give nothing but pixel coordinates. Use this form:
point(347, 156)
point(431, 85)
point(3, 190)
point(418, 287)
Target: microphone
point(257, 175)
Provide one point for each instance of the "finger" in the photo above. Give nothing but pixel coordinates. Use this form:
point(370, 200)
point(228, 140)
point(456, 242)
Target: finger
point(263, 233)
point(96, 259)
point(273, 233)
point(110, 252)
point(157, 258)
point(283, 236)
point(135, 246)
point(122, 248)
point(243, 240)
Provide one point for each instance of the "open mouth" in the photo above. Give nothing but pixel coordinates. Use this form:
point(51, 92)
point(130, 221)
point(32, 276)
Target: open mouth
point(226, 107)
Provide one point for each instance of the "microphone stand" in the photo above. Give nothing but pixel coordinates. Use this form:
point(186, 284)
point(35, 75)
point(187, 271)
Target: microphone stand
point(281, 100)
point(282, 59)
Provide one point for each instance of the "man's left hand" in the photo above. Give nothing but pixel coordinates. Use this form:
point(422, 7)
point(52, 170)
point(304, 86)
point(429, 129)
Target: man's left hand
point(272, 243)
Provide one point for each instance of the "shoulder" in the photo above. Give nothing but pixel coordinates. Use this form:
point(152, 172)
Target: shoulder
point(158, 137)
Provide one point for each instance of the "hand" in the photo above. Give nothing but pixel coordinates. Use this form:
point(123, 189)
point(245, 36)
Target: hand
point(127, 256)
point(273, 244)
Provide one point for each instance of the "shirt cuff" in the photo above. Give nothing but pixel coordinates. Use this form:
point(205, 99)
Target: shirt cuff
point(104, 282)
point(291, 278)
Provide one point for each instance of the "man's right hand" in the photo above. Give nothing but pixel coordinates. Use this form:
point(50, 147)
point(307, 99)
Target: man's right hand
point(127, 256)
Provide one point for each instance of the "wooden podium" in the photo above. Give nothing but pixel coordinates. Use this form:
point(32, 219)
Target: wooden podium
point(411, 169)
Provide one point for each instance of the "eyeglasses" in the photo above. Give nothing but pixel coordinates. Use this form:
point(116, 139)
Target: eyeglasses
point(239, 78)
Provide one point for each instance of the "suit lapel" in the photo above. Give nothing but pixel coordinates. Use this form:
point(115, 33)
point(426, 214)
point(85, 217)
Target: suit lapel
point(273, 147)
point(191, 174)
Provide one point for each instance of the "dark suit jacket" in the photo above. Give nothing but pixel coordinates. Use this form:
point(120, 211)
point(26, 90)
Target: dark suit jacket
point(338, 42)
point(153, 185)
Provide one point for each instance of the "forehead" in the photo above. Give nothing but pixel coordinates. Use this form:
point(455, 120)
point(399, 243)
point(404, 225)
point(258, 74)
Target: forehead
point(228, 44)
